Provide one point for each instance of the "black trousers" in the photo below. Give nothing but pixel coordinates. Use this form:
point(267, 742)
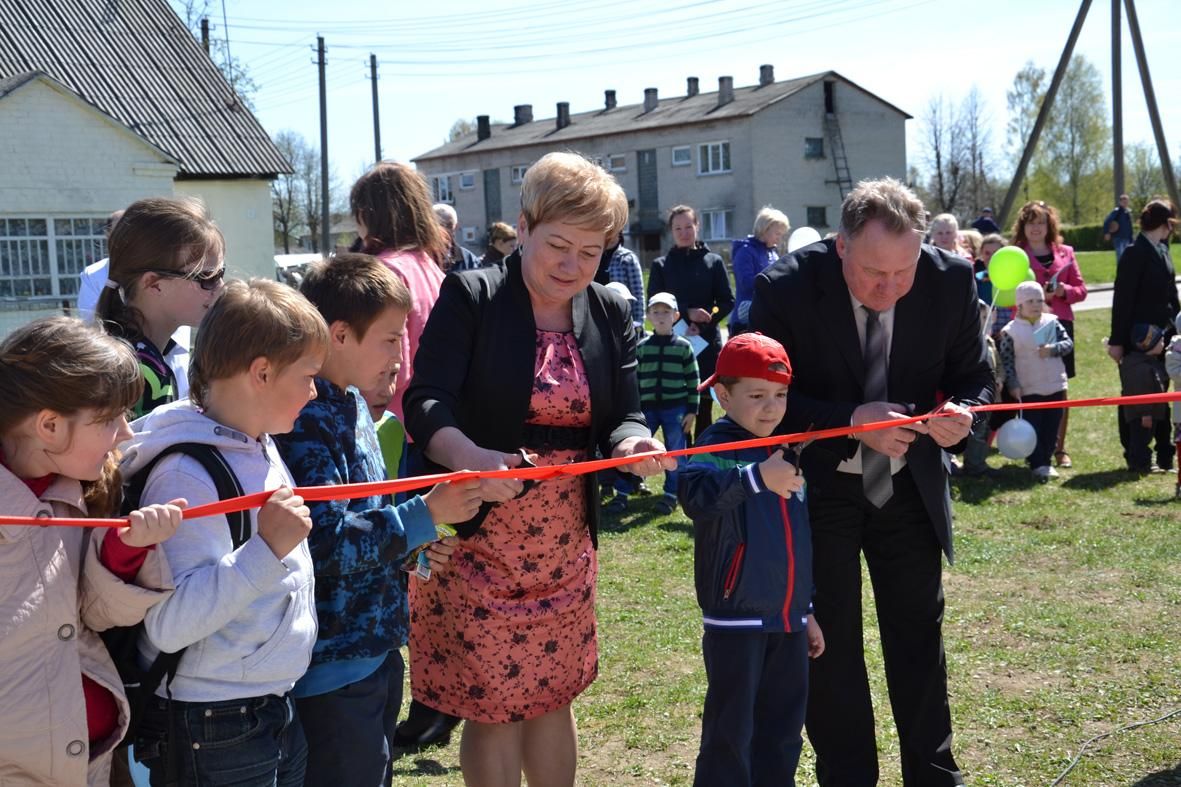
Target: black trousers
point(754, 708)
point(905, 565)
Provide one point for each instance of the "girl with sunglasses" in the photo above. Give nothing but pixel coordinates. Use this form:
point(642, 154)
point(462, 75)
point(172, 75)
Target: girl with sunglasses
point(167, 262)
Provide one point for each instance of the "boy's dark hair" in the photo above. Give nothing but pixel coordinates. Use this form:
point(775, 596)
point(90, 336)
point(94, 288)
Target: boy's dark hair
point(993, 238)
point(354, 289)
point(255, 319)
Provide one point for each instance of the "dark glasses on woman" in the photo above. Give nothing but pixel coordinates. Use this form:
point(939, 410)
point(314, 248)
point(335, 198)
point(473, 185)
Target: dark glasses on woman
point(209, 280)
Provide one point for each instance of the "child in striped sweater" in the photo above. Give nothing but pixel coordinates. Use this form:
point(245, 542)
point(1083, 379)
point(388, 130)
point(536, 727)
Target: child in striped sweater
point(668, 380)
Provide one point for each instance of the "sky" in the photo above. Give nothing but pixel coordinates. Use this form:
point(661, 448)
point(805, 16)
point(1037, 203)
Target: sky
point(437, 64)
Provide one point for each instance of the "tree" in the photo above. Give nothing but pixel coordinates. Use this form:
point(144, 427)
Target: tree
point(286, 190)
point(1023, 100)
point(243, 85)
point(974, 126)
point(1144, 177)
point(944, 154)
point(1077, 141)
point(460, 128)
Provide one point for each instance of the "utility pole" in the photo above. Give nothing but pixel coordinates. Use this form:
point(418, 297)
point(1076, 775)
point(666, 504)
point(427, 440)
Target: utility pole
point(377, 115)
point(1043, 113)
point(1117, 105)
point(325, 226)
point(1158, 131)
point(205, 34)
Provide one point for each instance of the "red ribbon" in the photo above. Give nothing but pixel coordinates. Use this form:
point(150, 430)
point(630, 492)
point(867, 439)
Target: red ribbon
point(348, 491)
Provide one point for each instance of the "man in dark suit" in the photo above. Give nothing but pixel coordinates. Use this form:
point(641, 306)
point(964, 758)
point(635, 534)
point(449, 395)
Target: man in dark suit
point(879, 326)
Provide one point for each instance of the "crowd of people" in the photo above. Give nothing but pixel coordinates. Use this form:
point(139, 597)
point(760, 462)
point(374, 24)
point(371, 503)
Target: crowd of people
point(265, 646)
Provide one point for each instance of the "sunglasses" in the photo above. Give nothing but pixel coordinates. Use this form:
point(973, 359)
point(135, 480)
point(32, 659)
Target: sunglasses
point(208, 280)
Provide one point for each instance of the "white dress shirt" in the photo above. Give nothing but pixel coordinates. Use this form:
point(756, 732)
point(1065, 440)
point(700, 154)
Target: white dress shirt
point(885, 323)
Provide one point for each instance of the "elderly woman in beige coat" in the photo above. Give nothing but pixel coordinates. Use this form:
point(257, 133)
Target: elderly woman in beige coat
point(64, 387)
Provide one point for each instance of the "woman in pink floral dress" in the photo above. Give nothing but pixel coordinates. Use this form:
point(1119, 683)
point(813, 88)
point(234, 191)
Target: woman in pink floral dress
point(529, 356)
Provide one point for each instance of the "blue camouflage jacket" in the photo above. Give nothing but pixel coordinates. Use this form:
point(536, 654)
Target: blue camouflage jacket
point(357, 545)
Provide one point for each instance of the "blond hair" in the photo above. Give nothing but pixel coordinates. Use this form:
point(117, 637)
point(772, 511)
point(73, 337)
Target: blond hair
point(886, 200)
point(253, 319)
point(569, 188)
point(768, 219)
point(973, 240)
point(944, 220)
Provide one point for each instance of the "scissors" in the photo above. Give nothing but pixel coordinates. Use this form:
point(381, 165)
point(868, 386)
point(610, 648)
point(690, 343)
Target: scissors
point(794, 452)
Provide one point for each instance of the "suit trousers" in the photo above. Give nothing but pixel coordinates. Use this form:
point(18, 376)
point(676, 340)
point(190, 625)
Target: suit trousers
point(904, 559)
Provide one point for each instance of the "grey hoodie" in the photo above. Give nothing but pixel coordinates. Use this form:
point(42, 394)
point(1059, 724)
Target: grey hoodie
point(247, 618)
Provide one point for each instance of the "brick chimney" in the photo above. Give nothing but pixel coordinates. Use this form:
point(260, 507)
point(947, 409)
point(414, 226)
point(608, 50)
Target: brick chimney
point(650, 99)
point(692, 87)
point(522, 114)
point(609, 99)
point(766, 75)
point(563, 114)
point(483, 127)
point(725, 90)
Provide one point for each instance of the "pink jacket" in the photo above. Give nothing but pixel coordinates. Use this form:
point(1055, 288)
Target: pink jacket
point(423, 278)
point(1069, 276)
point(54, 595)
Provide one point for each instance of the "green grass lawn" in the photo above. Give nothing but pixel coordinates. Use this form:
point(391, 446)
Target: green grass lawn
point(1063, 621)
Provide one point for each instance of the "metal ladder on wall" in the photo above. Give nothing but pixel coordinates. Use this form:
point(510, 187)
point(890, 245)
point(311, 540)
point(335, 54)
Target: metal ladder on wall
point(840, 161)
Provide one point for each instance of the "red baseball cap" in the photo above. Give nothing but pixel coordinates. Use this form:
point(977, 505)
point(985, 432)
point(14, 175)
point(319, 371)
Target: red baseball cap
point(751, 355)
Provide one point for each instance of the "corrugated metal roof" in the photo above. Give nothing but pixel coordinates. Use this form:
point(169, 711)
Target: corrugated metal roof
point(135, 61)
point(669, 112)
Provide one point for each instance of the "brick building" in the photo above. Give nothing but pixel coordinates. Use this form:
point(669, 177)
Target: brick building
point(796, 144)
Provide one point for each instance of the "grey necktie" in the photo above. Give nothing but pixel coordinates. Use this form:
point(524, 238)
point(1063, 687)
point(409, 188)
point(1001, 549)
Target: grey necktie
point(875, 467)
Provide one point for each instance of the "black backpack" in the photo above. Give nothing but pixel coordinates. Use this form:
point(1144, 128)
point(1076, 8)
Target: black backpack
point(140, 684)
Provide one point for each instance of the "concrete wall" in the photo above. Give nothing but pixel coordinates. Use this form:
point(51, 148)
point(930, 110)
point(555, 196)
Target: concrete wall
point(242, 208)
point(768, 166)
point(59, 157)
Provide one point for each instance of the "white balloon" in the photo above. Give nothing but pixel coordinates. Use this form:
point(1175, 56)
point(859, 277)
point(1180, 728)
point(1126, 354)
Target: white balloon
point(1016, 439)
point(803, 236)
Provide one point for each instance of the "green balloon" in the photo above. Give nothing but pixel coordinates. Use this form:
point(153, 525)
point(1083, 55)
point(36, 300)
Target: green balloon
point(1008, 267)
point(1008, 298)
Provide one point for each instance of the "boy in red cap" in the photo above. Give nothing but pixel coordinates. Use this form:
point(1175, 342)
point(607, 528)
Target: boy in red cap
point(753, 571)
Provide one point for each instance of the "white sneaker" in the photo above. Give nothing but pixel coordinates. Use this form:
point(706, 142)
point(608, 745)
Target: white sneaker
point(1044, 473)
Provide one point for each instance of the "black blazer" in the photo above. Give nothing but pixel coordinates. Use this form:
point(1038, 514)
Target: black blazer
point(474, 366)
point(937, 349)
point(1144, 291)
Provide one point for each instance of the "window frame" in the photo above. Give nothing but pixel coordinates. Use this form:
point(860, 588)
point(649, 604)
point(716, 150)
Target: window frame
point(465, 176)
point(709, 224)
point(45, 253)
point(688, 162)
point(811, 222)
point(809, 153)
point(444, 194)
point(612, 165)
point(517, 173)
point(705, 158)
point(469, 235)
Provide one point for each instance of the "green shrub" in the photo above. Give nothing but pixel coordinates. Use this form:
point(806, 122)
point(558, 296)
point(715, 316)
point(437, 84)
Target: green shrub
point(1085, 237)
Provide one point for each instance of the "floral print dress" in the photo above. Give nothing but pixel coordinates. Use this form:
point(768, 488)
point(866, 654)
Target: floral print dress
point(506, 631)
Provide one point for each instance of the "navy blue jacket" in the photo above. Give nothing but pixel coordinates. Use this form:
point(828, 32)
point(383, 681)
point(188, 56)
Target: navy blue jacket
point(752, 548)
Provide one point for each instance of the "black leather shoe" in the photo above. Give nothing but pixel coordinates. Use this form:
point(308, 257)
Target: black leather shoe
point(424, 727)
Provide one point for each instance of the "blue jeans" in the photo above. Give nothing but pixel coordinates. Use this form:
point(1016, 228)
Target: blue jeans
point(669, 420)
point(252, 742)
point(350, 728)
point(1045, 425)
point(1120, 244)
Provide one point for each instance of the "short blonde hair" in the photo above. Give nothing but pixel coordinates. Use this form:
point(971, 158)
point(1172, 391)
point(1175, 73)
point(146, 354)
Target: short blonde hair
point(768, 219)
point(945, 220)
point(500, 231)
point(253, 319)
point(886, 200)
point(973, 239)
point(567, 187)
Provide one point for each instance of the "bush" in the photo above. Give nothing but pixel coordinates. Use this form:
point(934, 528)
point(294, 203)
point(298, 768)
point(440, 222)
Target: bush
point(1085, 237)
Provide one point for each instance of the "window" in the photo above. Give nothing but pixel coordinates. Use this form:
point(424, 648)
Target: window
point(817, 216)
point(443, 189)
point(518, 173)
point(469, 234)
point(713, 158)
point(813, 147)
point(467, 180)
point(617, 162)
point(42, 257)
point(716, 224)
point(682, 156)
